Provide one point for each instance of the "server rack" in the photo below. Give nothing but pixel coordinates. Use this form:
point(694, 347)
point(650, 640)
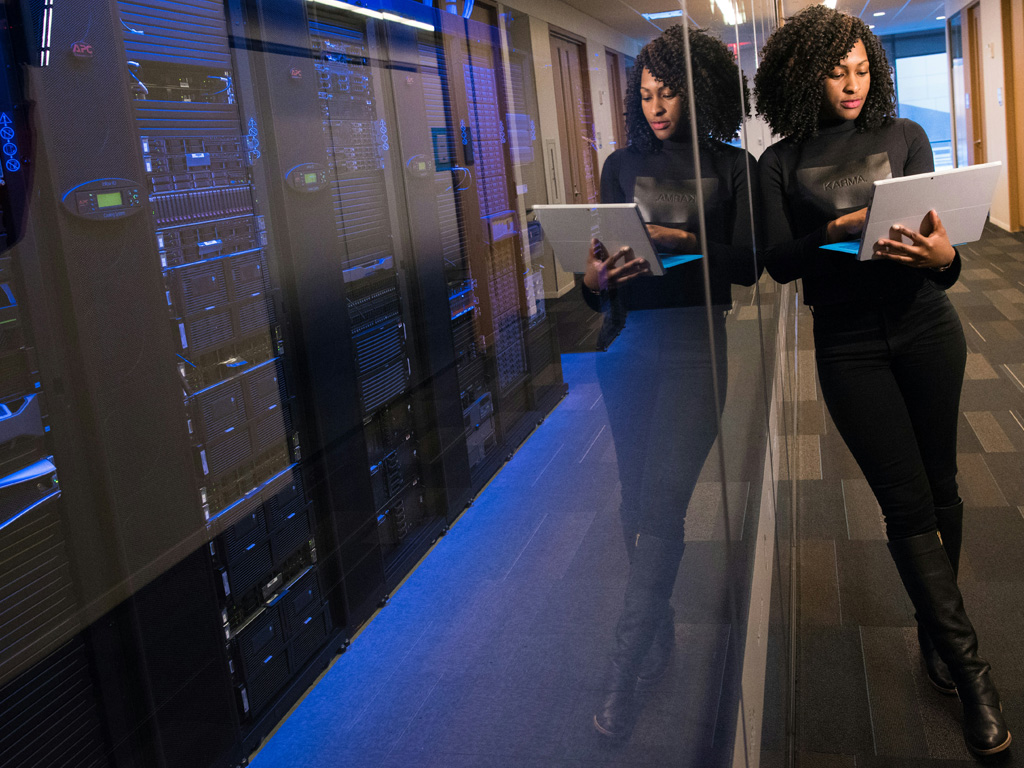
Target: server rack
point(182, 448)
point(38, 600)
point(328, 170)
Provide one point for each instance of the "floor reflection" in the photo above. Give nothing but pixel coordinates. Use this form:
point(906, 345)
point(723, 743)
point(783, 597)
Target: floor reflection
point(495, 649)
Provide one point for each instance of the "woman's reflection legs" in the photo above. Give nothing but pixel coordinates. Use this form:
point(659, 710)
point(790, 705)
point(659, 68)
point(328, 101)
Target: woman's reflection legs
point(664, 423)
point(652, 575)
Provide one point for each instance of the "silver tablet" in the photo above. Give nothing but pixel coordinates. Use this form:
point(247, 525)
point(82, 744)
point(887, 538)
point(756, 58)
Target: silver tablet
point(961, 196)
point(569, 229)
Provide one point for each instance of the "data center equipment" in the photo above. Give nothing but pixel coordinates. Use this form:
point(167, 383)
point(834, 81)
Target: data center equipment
point(232, 358)
point(38, 600)
point(268, 326)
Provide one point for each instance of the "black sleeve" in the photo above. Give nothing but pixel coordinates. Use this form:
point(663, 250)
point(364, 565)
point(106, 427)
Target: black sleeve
point(611, 192)
point(596, 301)
point(785, 259)
point(736, 258)
point(919, 150)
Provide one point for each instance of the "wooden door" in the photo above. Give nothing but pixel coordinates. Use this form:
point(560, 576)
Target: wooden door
point(958, 91)
point(974, 102)
point(1013, 61)
point(575, 121)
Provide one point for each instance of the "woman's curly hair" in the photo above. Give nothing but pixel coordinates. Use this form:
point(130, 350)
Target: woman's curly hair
point(789, 84)
point(715, 86)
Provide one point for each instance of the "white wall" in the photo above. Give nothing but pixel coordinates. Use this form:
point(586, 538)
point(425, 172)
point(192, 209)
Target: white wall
point(995, 102)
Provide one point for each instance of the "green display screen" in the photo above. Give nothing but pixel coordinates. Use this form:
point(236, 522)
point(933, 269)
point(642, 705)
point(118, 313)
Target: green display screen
point(108, 199)
point(311, 178)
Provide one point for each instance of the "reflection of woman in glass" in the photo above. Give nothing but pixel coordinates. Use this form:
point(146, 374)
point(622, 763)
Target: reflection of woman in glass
point(889, 346)
point(657, 380)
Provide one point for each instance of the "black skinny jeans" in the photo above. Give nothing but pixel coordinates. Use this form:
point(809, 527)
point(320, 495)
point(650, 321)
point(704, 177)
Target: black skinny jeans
point(891, 375)
point(657, 380)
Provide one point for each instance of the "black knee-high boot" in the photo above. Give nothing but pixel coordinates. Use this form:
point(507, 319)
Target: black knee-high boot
point(928, 578)
point(652, 574)
point(653, 667)
point(951, 526)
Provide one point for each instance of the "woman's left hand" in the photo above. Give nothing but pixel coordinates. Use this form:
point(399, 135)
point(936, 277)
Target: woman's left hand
point(928, 249)
point(669, 240)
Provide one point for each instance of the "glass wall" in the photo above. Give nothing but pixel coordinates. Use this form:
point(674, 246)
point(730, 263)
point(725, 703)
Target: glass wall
point(318, 449)
point(921, 85)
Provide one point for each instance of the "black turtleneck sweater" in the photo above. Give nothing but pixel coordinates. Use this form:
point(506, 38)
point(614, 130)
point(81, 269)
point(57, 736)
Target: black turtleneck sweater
point(664, 185)
point(806, 185)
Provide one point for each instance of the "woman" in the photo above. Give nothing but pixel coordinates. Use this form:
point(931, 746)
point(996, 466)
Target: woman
point(658, 380)
point(889, 347)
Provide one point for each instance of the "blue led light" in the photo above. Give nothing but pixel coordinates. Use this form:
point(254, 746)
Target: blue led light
point(10, 149)
point(212, 258)
point(28, 509)
point(252, 141)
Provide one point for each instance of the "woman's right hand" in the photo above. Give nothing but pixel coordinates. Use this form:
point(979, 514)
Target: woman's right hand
point(848, 226)
point(602, 272)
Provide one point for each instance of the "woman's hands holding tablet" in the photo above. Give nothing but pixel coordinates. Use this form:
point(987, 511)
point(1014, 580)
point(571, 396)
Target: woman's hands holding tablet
point(928, 249)
point(602, 272)
point(669, 240)
point(847, 227)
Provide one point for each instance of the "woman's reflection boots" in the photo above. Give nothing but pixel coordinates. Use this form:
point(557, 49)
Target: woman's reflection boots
point(653, 667)
point(951, 525)
point(928, 578)
point(652, 574)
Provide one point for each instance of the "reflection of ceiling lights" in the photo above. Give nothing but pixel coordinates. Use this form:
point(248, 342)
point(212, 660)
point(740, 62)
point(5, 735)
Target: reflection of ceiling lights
point(829, 4)
point(662, 15)
point(408, 22)
point(383, 16)
point(731, 15)
point(878, 13)
point(940, 18)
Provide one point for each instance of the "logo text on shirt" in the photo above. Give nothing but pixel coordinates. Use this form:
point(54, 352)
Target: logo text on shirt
point(849, 181)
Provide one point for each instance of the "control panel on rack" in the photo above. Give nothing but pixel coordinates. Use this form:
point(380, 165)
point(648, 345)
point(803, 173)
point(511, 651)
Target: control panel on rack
point(104, 199)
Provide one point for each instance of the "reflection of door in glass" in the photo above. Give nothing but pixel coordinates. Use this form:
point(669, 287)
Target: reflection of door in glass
point(484, 264)
point(575, 120)
point(956, 51)
point(616, 93)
